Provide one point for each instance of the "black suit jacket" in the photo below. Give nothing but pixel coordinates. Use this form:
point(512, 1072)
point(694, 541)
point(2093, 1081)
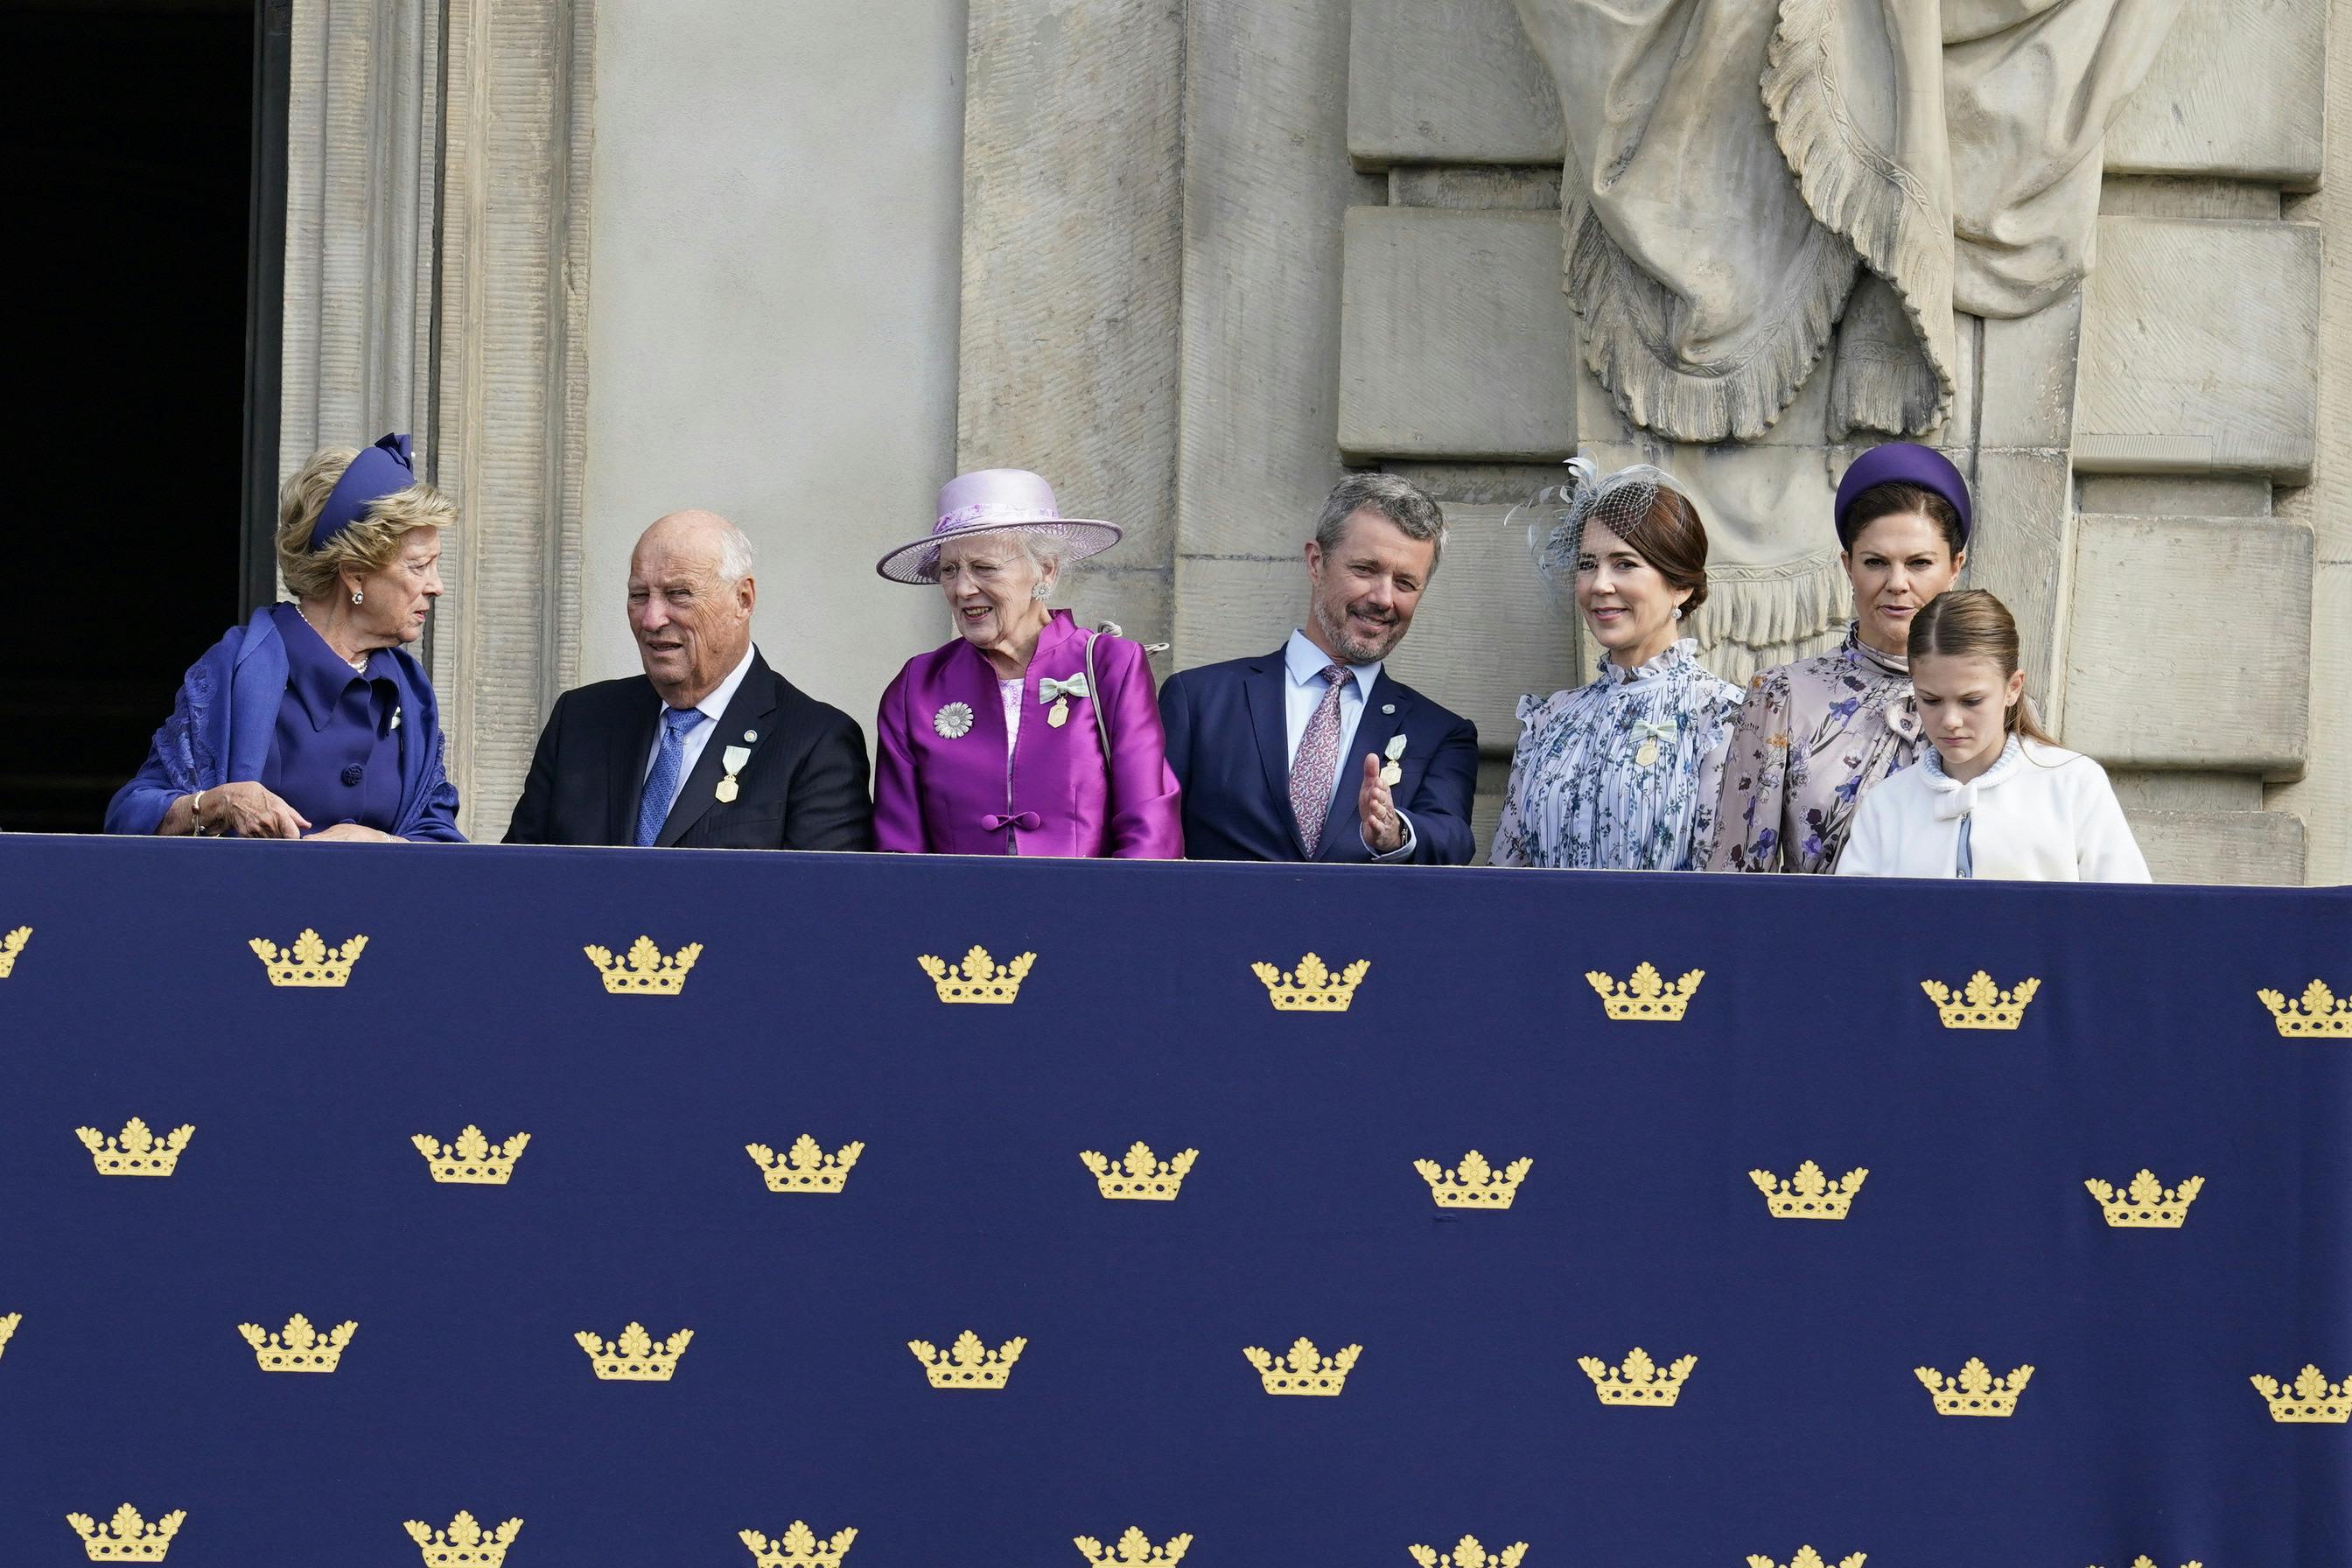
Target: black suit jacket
point(1229, 746)
point(803, 788)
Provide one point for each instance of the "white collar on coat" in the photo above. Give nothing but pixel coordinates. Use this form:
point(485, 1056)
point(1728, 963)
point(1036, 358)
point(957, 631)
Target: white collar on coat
point(1952, 799)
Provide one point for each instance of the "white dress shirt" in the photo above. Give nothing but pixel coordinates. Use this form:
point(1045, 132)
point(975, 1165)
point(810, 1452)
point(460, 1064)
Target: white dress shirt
point(713, 710)
point(1303, 693)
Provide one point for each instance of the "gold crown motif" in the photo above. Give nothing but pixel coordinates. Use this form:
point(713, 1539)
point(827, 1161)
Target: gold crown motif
point(10, 946)
point(968, 1363)
point(473, 1159)
point(1304, 1368)
point(300, 1348)
point(1809, 1194)
point(2142, 1561)
point(127, 1538)
point(1980, 1003)
point(798, 1547)
point(2148, 1204)
point(2317, 1012)
point(1474, 1183)
point(310, 962)
point(637, 1356)
point(1976, 1391)
point(1140, 1174)
point(134, 1152)
point(1638, 1381)
point(1806, 1557)
point(2311, 1398)
point(1468, 1553)
point(806, 1167)
point(979, 978)
point(1311, 987)
point(647, 972)
point(8, 1321)
point(1645, 997)
point(465, 1544)
point(1133, 1547)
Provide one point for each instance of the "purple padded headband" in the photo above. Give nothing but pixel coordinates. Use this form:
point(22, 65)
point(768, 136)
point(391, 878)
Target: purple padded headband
point(381, 470)
point(1904, 462)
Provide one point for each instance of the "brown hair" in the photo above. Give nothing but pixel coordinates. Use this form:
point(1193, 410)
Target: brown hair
point(1897, 498)
point(1672, 540)
point(1969, 623)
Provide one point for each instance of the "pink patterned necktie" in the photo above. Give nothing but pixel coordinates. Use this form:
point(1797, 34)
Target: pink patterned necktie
point(1317, 764)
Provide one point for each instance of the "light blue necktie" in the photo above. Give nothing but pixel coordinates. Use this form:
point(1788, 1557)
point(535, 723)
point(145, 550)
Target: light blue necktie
point(661, 784)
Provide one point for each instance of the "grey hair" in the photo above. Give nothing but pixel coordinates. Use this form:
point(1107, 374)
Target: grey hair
point(1414, 510)
point(734, 553)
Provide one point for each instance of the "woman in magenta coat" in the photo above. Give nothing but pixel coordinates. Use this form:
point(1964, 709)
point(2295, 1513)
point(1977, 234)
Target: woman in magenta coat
point(1026, 734)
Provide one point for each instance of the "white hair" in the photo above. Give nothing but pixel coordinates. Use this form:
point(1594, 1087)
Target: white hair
point(734, 553)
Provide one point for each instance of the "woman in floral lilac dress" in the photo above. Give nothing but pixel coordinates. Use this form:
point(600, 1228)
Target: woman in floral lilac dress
point(1620, 775)
point(1814, 736)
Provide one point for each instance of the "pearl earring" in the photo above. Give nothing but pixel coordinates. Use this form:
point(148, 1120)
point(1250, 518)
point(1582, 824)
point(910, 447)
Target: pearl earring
point(355, 596)
point(1678, 612)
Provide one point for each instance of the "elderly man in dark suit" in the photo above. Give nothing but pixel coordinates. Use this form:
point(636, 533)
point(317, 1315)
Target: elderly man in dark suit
point(709, 749)
point(1312, 751)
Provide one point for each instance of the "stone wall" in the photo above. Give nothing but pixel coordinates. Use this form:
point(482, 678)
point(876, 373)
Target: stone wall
point(769, 196)
point(773, 329)
point(2148, 517)
point(1194, 259)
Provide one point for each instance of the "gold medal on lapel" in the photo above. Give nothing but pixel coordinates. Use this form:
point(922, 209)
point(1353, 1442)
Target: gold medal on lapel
point(733, 759)
point(1391, 775)
point(1645, 753)
point(1059, 713)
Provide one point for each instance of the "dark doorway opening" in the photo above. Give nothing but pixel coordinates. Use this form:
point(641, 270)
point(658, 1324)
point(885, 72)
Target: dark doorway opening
point(128, 132)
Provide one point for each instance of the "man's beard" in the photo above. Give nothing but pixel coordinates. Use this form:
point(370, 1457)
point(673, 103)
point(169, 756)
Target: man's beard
point(1351, 648)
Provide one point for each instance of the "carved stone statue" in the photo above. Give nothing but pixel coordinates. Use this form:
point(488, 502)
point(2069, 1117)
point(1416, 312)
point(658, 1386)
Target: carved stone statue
point(1752, 184)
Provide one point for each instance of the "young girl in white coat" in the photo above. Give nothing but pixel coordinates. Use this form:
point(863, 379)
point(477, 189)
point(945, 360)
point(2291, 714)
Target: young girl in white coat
point(1998, 797)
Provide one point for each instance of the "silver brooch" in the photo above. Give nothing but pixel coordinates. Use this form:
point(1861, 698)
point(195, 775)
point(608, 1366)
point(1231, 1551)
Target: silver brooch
point(953, 722)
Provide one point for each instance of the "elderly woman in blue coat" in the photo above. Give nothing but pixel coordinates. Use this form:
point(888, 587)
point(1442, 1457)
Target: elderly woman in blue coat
point(312, 720)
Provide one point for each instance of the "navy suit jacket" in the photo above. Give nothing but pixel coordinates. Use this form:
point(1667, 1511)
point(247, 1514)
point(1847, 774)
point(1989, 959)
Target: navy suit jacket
point(803, 788)
point(1230, 748)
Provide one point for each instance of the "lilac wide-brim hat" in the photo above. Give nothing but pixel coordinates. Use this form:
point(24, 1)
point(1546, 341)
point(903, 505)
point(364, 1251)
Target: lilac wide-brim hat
point(995, 501)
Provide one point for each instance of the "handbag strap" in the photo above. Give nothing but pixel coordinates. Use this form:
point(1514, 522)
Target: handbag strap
point(1094, 693)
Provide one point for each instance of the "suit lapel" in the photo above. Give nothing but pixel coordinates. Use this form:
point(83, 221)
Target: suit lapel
point(752, 702)
point(1267, 688)
point(632, 748)
point(1374, 730)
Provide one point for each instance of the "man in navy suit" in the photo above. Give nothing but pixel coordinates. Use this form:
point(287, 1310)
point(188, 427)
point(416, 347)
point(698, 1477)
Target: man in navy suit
point(1312, 752)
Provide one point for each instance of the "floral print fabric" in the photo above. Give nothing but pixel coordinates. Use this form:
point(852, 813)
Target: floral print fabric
point(1813, 737)
point(1620, 775)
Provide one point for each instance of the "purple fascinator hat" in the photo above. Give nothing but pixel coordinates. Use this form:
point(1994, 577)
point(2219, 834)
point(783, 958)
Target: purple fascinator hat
point(995, 501)
point(1908, 463)
point(381, 470)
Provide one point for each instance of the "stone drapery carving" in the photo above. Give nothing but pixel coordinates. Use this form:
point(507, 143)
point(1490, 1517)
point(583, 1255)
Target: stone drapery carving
point(1735, 167)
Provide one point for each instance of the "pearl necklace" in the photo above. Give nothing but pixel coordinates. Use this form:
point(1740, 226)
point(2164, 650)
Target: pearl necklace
point(359, 665)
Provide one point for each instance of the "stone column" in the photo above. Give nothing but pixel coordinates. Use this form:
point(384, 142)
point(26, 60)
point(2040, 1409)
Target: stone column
point(1073, 233)
point(363, 155)
point(510, 409)
point(435, 278)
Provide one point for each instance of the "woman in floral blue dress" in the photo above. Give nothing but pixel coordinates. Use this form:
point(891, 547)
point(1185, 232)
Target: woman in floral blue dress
point(1621, 775)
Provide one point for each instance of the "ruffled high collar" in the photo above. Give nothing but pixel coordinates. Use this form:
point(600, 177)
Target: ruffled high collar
point(1855, 649)
point(1678, 656)
point(1955, 799)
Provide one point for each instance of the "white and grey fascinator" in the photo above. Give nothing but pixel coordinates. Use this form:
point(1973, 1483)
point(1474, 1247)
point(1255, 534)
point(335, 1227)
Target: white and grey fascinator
point(1557, 516)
